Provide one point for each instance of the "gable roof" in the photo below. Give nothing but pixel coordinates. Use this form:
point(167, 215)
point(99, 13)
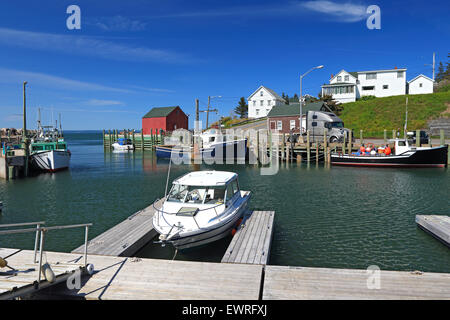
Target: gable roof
point(273, 93)
point(159, 112)
point(293, 109)
point(353, 74)
point(420, 75)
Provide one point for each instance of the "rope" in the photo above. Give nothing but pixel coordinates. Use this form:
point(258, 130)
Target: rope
point(176, 251)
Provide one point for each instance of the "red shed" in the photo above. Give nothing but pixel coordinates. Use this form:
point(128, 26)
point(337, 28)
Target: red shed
point(166, 118)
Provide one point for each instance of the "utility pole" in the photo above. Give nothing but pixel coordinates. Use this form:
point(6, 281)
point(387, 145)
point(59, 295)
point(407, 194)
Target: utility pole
point(433, 65)
point(197, 116)
point(24, 133)
point(207, 112)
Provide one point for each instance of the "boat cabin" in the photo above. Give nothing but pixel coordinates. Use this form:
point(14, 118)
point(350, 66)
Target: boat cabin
point(48, 146)
point(204, 188)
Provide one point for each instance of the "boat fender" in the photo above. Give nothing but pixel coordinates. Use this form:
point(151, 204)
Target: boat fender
point(3, 263)
point(90, 269)
point(373, 152)
point(387, 151)
point(362, 149)
point(48, 273)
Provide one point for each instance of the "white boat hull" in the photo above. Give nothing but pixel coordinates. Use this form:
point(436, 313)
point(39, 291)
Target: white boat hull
point(125, 147)
point(212, 233)
point(51, 161)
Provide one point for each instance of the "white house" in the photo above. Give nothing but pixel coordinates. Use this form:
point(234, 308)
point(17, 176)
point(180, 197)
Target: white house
point(350, 86)
point(420, 85)
point(261, 102)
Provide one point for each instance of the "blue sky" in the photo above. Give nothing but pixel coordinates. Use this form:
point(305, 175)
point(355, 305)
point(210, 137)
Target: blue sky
point(132, 55)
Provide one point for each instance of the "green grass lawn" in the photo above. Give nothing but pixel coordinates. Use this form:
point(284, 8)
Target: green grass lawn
point(373, 116)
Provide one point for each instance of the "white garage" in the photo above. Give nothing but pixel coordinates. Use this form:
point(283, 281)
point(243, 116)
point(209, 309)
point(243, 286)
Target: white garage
point(420, 85)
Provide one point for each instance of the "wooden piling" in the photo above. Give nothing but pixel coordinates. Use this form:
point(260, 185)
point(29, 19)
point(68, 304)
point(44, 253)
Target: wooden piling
point(142, 139)
point(343, 146)
point(361, 141)
point(350, 141)
point(441, 133)
point(308, 147)
point(393, 134)
point(417, 138)
point(385, 136)
point(317, 153)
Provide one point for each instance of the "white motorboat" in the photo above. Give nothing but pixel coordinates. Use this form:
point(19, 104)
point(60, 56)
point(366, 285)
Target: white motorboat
point(123, 145)
point(201, 207)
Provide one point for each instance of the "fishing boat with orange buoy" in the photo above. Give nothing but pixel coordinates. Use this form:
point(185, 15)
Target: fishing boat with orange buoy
point(402, 155)
point(201, 207)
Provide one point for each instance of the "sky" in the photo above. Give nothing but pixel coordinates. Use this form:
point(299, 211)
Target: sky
point(130, 56)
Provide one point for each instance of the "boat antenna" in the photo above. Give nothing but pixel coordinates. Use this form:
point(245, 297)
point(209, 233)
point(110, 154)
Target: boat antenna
point(406, 118)
point(168, 174)
point(60, 126)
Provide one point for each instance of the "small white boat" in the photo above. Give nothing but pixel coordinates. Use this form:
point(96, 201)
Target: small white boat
point(123, 145)
point(201, 207)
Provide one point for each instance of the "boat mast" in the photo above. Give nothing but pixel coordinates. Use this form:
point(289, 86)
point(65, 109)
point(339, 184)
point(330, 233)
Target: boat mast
point(406, 119)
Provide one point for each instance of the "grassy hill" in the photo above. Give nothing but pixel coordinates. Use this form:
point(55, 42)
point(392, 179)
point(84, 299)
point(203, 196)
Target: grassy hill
point(375, 115)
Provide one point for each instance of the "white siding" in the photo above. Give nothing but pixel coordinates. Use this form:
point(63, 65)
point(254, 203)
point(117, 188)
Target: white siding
point(259, 105)
point(420, 85)
point(387, 83)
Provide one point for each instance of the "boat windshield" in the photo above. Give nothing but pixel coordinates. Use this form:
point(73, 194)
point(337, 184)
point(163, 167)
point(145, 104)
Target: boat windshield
point(337, 124)
point(197, 194)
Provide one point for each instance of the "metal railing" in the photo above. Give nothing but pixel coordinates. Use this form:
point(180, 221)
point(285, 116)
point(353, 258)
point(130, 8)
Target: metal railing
point(40, 235)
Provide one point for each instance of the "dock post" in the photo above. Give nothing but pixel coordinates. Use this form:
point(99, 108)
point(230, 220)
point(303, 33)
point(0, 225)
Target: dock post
point(328, 155)
point(385, 136)
point(151, 137)
point(142, 139)
point(317, 153)
point(103, 135)
point(350, 141)
point(441, 133)
point(282, 147)
point(393, 134)
point(257, 146)
point(417, 138)
point(343, 146)
point(308, 147)
point(361, 141)
point(132, 132)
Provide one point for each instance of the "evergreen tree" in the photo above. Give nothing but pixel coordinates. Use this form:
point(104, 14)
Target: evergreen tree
point(287, 99)
point(242, 108)
point(295, 99)
point(441, 72)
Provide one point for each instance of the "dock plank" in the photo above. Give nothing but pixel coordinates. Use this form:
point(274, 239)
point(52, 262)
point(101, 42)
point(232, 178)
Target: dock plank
point(437, 225)
point(252, 241)
point(125, 238)
point(297, 283)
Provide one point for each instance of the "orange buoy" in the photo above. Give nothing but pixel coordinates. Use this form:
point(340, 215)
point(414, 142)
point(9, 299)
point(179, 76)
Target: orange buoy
point(362, 149)
point(387, 151)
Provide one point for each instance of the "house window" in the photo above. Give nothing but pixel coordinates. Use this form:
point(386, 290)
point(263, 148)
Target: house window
point(368, 88)
point(254, 103)
point(346, 78)
point(292, 124)
point(371, 76)
point(385, 86)
point(280, 125)
point(339, 78)
point(420, 85)
point(261, 93)
point(257, 112)
point(268, 102)
point(400, 74)
point(261, 102)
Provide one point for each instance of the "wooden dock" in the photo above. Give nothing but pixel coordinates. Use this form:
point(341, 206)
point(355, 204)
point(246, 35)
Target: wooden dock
point(297, 283)
point(23, 280)
point(125, 238)
point(437, 226)
point(122, 278)
point(252, 241)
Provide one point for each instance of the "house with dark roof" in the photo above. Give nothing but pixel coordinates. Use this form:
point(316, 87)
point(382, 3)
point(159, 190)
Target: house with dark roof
point(164, 118)
point(261, 101)
point(285, 118)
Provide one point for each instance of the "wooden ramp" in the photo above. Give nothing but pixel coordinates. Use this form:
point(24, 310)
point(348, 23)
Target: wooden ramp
point(125, 238)
point(437, 226)
point(296, 283)
point(24, 279)
point(123, 278)
point(252, 241)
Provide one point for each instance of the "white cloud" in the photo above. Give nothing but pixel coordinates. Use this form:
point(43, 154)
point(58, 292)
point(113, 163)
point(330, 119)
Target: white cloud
point(100, 103)
point(117, 23)
point(41, 79)
point(82, 45)
point(345, 12)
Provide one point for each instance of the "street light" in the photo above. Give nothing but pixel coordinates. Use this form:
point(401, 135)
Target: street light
point(301, 95)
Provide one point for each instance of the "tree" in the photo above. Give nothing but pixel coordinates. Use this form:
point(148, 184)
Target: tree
point(286, 97)
point(242, 108)
point(441, 72)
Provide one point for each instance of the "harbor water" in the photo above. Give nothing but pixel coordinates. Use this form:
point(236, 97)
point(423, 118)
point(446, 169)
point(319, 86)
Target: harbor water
point(325, 217)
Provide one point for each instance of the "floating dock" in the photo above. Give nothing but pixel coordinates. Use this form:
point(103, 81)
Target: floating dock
point(297, 283)
point(252, 241)
point(437, 226)
point(23, 280)
point(125, 238)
